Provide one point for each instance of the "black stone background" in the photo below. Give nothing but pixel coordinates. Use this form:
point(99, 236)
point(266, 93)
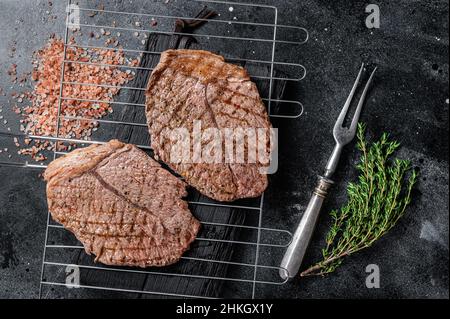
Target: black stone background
point(409, 99)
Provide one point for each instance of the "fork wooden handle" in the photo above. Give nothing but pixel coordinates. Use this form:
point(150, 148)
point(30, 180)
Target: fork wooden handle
point(295, 253)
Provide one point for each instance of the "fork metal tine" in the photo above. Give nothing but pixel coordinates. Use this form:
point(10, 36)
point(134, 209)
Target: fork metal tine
point(343, 135)
point(355, 120)
point(341, 118)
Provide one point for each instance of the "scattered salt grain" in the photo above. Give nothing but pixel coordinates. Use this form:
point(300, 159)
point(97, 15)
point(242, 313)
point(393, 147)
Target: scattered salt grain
point(12, 72)
point(231, 9)
point(39, 117)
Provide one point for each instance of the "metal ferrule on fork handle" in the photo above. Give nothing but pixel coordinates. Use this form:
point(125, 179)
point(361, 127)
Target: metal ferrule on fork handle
point(323, 186)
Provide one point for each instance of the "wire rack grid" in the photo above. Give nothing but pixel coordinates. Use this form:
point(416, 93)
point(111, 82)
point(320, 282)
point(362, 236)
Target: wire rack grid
point(279, 35)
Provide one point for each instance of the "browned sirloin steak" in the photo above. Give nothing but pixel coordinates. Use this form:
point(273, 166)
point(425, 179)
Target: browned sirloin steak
point(192, 85)
point(121, 204)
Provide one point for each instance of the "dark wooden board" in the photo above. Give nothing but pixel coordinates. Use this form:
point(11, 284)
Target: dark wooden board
point(194, 282)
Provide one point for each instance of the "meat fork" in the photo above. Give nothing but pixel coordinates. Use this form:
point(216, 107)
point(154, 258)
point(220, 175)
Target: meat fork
point(295, 252)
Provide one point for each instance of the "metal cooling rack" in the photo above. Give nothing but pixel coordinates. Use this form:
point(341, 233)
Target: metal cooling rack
point(275, 39)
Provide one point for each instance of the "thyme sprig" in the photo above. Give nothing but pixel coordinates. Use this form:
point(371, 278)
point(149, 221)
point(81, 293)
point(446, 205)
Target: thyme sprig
point(375, 203)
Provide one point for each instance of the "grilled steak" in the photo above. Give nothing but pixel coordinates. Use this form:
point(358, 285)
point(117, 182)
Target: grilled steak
point(121, 204)
point(189, 86)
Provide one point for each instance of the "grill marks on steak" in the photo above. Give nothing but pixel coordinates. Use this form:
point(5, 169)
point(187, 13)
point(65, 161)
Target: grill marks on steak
point(121, 204)
point(192, 85)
